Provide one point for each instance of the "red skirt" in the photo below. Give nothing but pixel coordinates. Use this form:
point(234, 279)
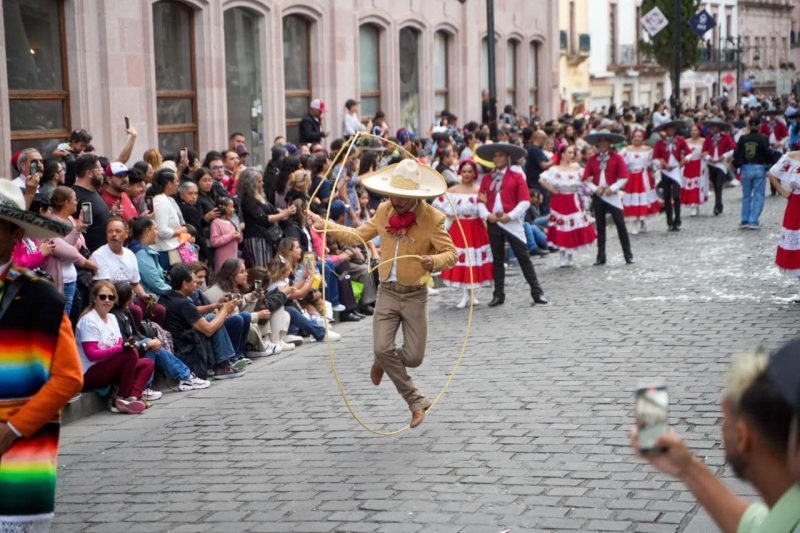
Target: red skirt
point(569, 227)
point(788, 257)
point(641, 199)
point(694, 191)
point(474, 267)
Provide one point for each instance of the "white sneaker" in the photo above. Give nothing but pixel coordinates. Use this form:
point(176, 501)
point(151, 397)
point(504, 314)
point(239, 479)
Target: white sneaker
point(635, 228)
point(193, 383)
point(339, 308)
point(286, 346)
point(464, 301)
point(151, 395)
point(432, 291)
point(294, 339)
point(694, 211)
point(332, 336)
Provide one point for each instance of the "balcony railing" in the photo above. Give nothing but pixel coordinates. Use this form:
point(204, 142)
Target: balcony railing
point(711, 57)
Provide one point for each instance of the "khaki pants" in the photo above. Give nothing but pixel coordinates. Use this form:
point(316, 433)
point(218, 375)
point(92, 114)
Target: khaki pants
point(411, 311)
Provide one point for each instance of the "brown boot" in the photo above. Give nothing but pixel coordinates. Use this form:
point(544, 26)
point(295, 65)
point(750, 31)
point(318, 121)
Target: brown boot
point(417, 417)
point(376, 374)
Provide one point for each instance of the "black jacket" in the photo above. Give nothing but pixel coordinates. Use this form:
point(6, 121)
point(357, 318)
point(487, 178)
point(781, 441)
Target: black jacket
point(256, 221)
point(752, 149)
point(310, 130)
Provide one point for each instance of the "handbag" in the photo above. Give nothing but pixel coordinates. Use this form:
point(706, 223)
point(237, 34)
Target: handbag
point(274, 233)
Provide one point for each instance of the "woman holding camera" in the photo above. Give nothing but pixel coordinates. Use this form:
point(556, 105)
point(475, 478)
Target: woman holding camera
point(106, 357)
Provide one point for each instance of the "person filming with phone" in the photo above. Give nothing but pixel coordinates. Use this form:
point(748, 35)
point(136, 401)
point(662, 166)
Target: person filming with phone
point(755, 432)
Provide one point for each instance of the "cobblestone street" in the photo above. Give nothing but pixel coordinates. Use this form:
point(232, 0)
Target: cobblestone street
point(532, 435)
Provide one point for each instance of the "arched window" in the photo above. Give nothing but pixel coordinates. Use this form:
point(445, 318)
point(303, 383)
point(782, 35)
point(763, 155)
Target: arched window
point(243, 79)
point(176, 89)
point(369, 53)
point(441, 70)
point(36, 63)
point(511, 73)
point(409, 77)
point(533, 73)
point(296, 71)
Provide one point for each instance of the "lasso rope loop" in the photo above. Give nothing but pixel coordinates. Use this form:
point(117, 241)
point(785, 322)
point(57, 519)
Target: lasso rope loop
point(349, 146)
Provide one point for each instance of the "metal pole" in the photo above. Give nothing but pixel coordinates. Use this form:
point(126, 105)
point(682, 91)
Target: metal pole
point(490, 45)
point(676, 61)
point(738, 68)
point(719, 69)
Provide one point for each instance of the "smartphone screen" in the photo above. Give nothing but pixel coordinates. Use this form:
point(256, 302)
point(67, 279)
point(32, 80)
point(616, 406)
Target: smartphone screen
point(257, 284)
point(34, 168)
point(652, 406)
point(86, 209)
point(148, 201)
point(127, 123)
point(308, 259)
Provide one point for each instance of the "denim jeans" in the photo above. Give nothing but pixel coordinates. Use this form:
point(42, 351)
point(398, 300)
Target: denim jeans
point(238, 327)
point(535, 236)
point(302, 324)
point(753, 189)
point(223, 348)
point(331, 283)
point(69, 295)
point(169, 363)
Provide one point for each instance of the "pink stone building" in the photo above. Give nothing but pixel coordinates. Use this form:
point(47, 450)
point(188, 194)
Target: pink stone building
point(189, 72)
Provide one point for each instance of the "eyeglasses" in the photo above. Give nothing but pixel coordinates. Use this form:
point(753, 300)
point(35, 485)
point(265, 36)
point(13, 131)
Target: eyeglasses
point(106, 297)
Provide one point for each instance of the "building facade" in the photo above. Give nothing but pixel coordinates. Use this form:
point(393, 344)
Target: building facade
point(766, 30)
point(189, 72)
point(718, 56)
point(620, 72)
point(575, 45)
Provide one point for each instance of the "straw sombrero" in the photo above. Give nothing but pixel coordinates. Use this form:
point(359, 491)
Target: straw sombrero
point(487, 151)
point(406, 179)
point(677, 124)
point(12, 209)
point(604, 135)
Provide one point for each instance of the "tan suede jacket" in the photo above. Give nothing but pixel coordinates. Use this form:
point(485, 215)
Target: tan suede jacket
point(426, 237)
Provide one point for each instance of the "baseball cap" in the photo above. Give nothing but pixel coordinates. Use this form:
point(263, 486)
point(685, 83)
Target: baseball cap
point(116, 168)
point(337, 209)
point(241, 149)
point(316, 103)
point(784, 369)
point(404, 134)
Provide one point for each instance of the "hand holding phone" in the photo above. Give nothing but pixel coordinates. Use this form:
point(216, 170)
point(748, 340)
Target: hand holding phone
point(257, 285)
point(652, 404)
point(127, 123)
point(86, 213)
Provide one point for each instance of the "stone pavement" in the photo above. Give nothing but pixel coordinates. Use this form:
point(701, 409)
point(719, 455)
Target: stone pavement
point(531, 436)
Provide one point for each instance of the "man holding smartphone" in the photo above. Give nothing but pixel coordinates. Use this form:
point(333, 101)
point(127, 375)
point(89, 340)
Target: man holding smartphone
point(755, 431)
point(31, 166)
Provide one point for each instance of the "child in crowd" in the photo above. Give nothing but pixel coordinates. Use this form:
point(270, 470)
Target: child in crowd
point(225, 235)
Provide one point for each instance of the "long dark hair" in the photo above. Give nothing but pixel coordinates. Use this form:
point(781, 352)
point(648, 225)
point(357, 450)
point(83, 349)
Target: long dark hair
point(227, 272)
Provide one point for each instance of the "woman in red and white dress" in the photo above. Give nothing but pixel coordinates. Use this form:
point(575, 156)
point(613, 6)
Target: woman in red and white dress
point(474, 254)
point(570, 228)
point(785, 177)
point(694, 192)
point(640, 201)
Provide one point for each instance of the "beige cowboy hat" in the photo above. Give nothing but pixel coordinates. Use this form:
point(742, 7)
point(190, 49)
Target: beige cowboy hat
point(406, 179)
point(12, 209)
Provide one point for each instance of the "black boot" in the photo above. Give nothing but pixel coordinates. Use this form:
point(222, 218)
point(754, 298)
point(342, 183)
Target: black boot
point(497, 299)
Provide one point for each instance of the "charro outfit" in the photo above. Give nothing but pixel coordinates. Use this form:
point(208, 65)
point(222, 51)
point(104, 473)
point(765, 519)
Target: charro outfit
point(402, 295)
point(787, 170)
point(506, 191)
point(717, 149)
point(670, 151)
point(608, 170)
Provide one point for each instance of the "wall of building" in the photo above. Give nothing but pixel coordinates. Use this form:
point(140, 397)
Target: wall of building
point(111, 65)
point(574, 62)
point(765, 27)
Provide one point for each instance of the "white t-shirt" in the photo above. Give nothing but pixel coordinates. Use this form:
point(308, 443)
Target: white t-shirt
point(115, 267)
point(91, 328)
point(68, 272)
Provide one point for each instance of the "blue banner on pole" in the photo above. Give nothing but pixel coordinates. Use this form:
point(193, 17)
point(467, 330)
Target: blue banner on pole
point(702, 22)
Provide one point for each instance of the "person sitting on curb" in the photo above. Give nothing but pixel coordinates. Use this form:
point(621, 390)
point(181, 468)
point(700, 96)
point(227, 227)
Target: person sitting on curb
point(755, 432)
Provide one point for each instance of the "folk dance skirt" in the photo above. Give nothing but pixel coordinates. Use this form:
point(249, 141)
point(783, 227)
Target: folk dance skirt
point(695, 183)
point(788, 256)
point(569, 226)
point(641, 199)
point(474, 267)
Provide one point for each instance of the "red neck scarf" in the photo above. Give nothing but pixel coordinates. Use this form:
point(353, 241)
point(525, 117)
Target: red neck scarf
point(399, 224)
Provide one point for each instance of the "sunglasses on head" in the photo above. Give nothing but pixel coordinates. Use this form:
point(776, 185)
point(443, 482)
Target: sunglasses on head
point(106, 297)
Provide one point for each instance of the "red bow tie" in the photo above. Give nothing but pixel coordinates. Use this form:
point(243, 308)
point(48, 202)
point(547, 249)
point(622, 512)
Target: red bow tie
point(399, 223)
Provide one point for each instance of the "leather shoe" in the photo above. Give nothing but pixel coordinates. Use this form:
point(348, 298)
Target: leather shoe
point(376, 374)
point(349, 317)
point(600, 261)
point(417, 417)
point(629, 260)
point(367, 310)
point(539, 299)
point(497, 300)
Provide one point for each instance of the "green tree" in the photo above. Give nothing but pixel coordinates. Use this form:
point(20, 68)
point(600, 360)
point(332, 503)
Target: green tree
point(662, 47)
